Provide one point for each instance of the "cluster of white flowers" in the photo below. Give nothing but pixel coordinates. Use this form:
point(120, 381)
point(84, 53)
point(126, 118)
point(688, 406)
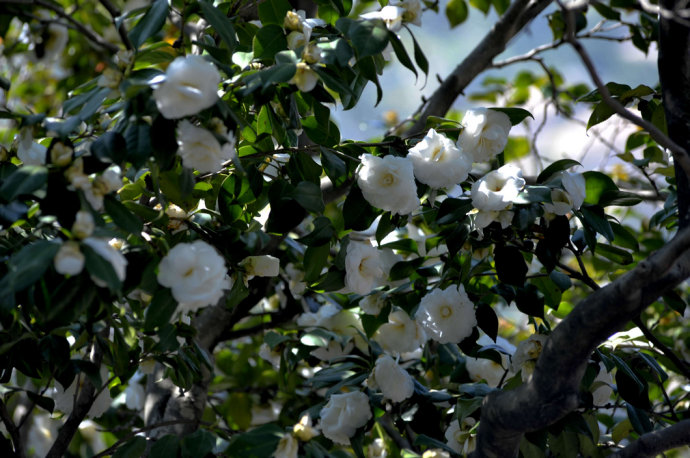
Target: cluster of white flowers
point(95, 186)
point(195, 273)
point(201, 150)
point(190, 85)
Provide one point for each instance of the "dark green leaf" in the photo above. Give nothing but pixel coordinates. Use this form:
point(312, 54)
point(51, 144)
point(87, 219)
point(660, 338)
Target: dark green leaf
point(516, 115)
point(534, 194)
point(138, 139)
point(430, 442)
point(44, 402)
point(26, 267)
point(198, 444)
point(357, 212)
point(165, 447)
point(268, 41)
point(24, 180)
point(487, 320)
point(133, 448)
point(614, 254)
point(602, 111)
point(326, 135)
point(273, 11)
point(100, 268)
point(400, 52)
point(334, 166)
point(150, 24)
point(638, 419)
point(453, 210)
point(160, 310)
point(597, 184)
point(596, 219)
point(309, 196)
point(221, 23)
point(323, 233)
point(110, 147)
point(368, 37)
point(556, 167)
point(122, 216)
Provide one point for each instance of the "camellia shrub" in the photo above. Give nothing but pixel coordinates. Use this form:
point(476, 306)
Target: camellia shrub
point(196, 263)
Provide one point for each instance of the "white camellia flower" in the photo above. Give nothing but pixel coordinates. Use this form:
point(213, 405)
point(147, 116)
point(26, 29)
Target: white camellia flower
point(447, 316)
point(261, 266)
point(401, 334)
point(435, 453)
point(484, 218)
point(28, 151)
point(61, 154)
point(388, 183)
point(135, 395)
point(394, 381)
point(602, 386)
point(413, 12)
point(305, 78)
point(561, 203)
point(288, 446)
point(200, 150)
point(304, 430)
point(272, 356)
point(190, 85)
point(486, 369)
point(196, 273)
point(497, 189)
point(297, 21)
point(83, 224)
point(69, 260)
point(438, 162)
point(320, 318)
point(485, 133)
point(343, 414)
point(459, 437)
point(296, 40)
point(391, 15)
point(65, 398)
point(109, 181)
point(110, 254)
point(362, 267)
point(334, 350)
point(526, 355)
point(377, 449)
point(372, 304)
point(575, 186)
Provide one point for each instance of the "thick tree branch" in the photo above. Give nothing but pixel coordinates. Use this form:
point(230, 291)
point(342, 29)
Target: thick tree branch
point(656, 442)
point(674, 76)
point(552, 392)
point(516, 17)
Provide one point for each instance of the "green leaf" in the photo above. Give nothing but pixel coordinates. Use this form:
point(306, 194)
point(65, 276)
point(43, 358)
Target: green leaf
point(602, 111)
point(133, 448)
point(384, 227)
point(595, 218)
point(326, 135)
point(110, 147)
point(357, 212)
point(419, 56)
point(27, 266)
point(516, 115)
point(534, 194)
point(597, 184)
point(24, 180)
point(400, 52)
point(623, 237)
point(268, 41)
point(315, 258)
point(138, 140)
point(638, 419)
point(121, 216)
point(332, 281)
point(44, 402)
point(165, 447)
point(430, 442)
point(160, 310)
point(456, 12)
point(198, 444)
point(309, 196)
point(556, 167)
point(273, 339)
point(369, 37)
point(150, 24)
point(323, 233)
point(453, 210)
point(551, 291)
point(516, 148)
point(100, 268)
point(221, 24)
point(334, 166)
point(273, 11)
point(614, 254)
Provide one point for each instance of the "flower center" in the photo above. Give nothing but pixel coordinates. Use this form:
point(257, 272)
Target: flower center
point(437, 154)
point(387, 179)
point(189, 272)
point(446, 311)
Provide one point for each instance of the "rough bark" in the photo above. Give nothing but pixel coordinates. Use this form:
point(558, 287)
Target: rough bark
point(516, 17)
point(674, 75)
point(553, 391)
point(657, 442)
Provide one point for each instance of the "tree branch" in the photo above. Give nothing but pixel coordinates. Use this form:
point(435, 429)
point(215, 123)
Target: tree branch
point(656, 442)
point(552, 391)
point(121, 30)
point(516, 17)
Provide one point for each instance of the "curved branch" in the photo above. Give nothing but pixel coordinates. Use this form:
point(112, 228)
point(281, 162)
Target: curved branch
point(552, 392)
point(656, 442)
point(516, 17)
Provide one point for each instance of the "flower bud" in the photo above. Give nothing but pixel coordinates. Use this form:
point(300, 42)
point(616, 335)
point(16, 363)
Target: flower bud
point(69, 260)
point(262, 266)
point(61, 154)
point(83, 225)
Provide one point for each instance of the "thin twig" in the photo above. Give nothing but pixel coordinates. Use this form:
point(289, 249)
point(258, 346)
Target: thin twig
point(121, 30)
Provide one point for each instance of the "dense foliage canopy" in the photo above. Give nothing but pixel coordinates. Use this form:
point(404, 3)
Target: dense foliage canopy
point(196, 263)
